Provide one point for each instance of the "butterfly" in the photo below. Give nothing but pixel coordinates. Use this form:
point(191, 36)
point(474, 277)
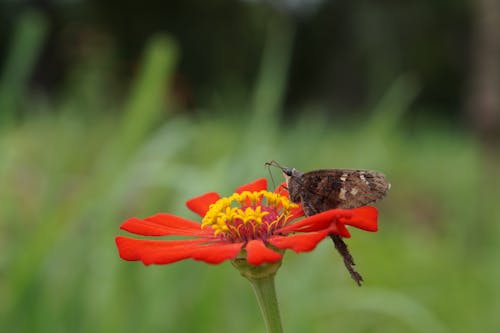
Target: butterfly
point(321, 190)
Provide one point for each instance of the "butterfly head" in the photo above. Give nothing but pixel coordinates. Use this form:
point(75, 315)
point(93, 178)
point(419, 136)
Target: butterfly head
point(292, 179)
point(291, 173)
point(293, 182)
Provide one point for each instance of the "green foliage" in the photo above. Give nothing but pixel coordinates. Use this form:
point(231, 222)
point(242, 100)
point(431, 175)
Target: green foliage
point(69, 178)
point(24, 50)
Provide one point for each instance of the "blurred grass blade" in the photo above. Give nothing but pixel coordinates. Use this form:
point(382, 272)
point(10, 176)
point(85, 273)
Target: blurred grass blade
point(22, 55)
point(397, 100)
point(150, 91)
point(273, 76)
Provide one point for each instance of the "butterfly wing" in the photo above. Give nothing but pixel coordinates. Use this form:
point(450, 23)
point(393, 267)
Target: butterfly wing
point(341, 188)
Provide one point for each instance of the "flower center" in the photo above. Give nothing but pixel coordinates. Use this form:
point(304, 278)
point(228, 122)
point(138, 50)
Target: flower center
point(248, 215)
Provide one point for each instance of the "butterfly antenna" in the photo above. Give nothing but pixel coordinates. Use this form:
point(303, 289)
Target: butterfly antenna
point(274, 163)
point(269, 165)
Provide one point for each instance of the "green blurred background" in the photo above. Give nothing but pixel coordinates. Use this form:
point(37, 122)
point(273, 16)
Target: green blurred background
point(117, 109)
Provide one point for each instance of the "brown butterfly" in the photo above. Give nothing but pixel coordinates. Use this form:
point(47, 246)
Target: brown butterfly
point(321, 190)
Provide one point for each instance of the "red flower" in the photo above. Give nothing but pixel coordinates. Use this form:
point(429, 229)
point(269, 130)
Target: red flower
point(252, 221)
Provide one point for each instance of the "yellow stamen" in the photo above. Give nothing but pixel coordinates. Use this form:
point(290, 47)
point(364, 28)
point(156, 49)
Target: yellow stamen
point(243, 215)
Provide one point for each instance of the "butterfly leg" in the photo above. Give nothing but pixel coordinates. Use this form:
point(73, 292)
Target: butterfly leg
point(309, 210)
point(342, 248)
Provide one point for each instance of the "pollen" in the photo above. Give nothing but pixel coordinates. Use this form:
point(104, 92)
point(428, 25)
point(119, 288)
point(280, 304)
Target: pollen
point(248, 215)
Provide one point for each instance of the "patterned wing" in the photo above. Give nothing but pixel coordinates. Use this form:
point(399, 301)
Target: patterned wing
point(341, 188)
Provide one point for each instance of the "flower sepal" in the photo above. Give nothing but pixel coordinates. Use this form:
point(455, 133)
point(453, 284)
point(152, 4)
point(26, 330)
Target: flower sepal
point(252, 272)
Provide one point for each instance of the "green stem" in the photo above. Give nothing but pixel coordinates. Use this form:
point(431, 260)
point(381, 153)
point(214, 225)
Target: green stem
point(268, 302)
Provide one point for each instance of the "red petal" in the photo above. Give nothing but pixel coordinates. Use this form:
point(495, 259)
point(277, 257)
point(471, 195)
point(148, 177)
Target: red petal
point(299, 243)
point(216, 253)
point(258, 253)
point(316, 222)
point(200, 204)
point(166, 252)
point(364, 218)
point(282, 190)
point(296, 213)
point(339, 229)
point(155, 251)
point(163, 225)
point(255, 186)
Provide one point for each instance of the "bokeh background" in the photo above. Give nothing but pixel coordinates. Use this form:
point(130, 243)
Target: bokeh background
point(112, 109)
